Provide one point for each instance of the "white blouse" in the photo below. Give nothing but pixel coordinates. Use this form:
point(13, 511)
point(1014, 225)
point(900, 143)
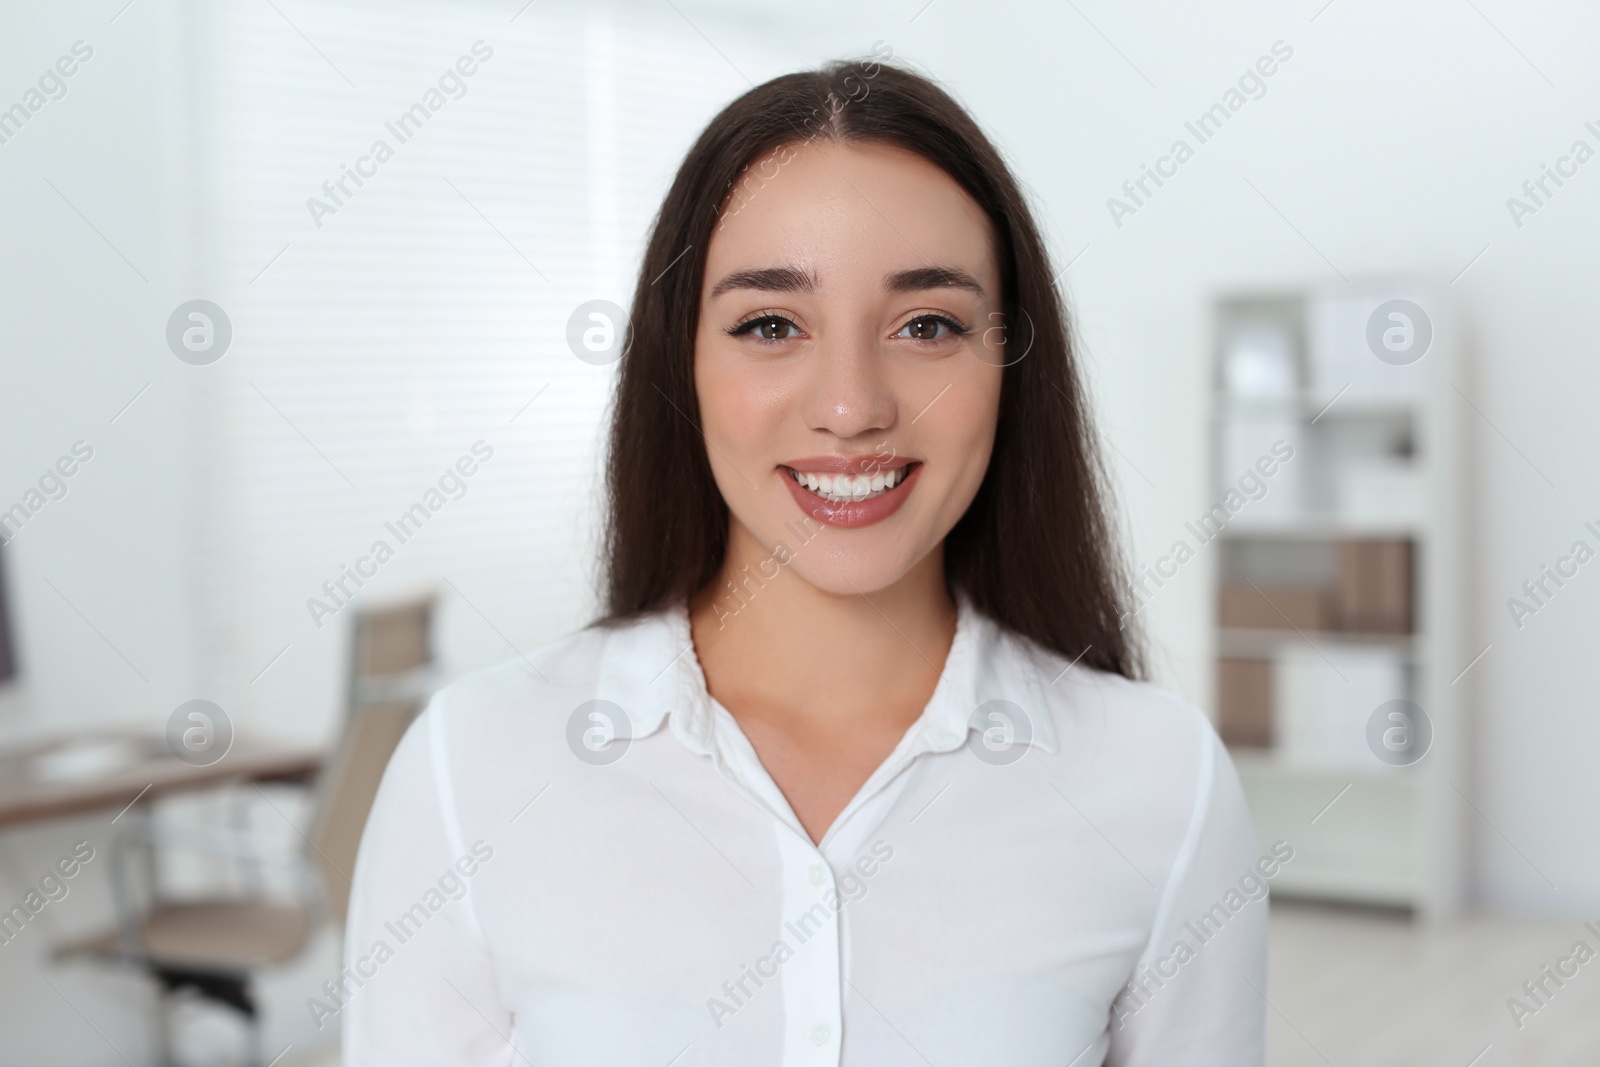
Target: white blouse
point(1055, 866)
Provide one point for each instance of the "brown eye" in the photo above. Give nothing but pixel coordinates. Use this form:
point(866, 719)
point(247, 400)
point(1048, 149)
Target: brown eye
point(928, 328)
point(767, 328)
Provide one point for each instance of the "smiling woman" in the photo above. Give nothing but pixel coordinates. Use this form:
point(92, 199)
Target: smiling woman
point(851, 409)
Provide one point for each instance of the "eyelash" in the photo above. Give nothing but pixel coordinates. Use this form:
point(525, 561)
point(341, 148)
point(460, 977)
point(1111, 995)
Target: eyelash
point(957, 329)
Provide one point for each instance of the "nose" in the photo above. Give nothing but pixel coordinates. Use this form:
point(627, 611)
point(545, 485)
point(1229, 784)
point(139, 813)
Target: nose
point(847, 392)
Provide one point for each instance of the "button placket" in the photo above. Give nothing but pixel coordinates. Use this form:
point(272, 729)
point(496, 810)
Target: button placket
point(812, 979)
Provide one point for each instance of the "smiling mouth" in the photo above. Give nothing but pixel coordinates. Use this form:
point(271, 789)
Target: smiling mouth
point(851, 488)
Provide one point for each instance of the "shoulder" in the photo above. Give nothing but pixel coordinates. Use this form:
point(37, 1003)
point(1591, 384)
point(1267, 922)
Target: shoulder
point(1142, 763)
point(520, 709)
point(1145, 759)
point(1137, 725)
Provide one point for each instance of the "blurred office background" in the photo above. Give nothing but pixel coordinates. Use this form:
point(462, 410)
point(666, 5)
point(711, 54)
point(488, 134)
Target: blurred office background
point(159, 152)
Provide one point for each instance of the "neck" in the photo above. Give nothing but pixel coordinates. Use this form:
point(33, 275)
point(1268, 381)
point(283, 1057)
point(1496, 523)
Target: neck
point(765, 634)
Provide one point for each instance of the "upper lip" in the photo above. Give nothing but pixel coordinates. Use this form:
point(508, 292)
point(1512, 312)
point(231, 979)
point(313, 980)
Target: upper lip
point(867, 463)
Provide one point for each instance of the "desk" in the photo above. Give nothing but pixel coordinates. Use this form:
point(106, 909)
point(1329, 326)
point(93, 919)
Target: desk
point(143, 770)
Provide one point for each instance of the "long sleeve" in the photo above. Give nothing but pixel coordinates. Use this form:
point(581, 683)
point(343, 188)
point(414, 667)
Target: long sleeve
point(1197, 994)
point(420, 978)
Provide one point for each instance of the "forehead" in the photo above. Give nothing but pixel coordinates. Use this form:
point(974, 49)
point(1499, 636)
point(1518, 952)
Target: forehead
point(850, 213)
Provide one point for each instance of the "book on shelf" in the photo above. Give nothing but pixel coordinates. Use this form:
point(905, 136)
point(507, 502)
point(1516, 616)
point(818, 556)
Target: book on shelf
point(1244, 702)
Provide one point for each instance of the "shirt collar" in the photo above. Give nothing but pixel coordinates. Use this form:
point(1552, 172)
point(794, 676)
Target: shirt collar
point(651, 671)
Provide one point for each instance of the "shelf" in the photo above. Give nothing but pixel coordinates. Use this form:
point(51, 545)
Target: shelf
point(1355, 833)
point(1309, 405)
point(1322, 528)
point(1346, 883)
point(1380, 462)
point(1237, 642)
point(1268, 764)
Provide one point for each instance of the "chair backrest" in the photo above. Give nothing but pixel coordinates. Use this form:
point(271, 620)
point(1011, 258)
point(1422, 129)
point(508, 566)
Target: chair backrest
point(345, 792)
point(390, 644)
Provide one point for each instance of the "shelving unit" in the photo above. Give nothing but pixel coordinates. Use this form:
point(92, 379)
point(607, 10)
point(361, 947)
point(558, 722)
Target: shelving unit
point(1338, 584)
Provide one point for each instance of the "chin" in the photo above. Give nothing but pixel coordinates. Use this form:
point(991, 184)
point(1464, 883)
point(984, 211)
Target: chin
point(850, 563)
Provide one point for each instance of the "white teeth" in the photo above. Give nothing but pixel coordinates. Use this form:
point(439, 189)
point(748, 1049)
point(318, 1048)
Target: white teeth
point(844, 488)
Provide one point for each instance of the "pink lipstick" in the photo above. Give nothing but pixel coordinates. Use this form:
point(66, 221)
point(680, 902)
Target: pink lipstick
point(851, 491)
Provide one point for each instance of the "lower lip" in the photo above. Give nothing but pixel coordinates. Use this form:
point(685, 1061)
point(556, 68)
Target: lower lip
point(852, 513)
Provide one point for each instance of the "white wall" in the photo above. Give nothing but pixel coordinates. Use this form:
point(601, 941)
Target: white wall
point(100, 582)
point(82, 337)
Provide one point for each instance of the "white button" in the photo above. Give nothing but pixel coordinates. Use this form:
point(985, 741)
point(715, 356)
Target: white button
point(818, 874)
point(819, 1034)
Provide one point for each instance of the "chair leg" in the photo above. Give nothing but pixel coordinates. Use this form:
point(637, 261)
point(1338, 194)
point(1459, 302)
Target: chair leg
point(231, 990)
point(164, 1039)
point(256, 1053)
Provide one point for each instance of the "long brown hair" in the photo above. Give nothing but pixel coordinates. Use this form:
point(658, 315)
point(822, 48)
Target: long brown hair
point(1035, 551)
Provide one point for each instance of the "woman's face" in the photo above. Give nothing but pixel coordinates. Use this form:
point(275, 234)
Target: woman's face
point(848, 359)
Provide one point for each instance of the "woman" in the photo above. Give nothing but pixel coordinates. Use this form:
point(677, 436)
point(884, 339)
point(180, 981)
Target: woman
point(857, 768)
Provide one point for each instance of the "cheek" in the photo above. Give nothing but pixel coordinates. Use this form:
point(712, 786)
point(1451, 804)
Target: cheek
point(727, 400)
point(741, 413)
point(965, 436)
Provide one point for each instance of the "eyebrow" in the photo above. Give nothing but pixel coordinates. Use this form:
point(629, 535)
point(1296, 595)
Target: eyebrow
point(794, 280)
point(911, 281)
point(768, 279)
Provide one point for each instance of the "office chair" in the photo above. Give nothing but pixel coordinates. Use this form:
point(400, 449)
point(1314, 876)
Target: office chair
point(214, 946)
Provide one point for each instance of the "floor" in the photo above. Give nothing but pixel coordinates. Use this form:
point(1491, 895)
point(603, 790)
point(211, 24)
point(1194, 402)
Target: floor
point(1371, 989)
point(1361, 987)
